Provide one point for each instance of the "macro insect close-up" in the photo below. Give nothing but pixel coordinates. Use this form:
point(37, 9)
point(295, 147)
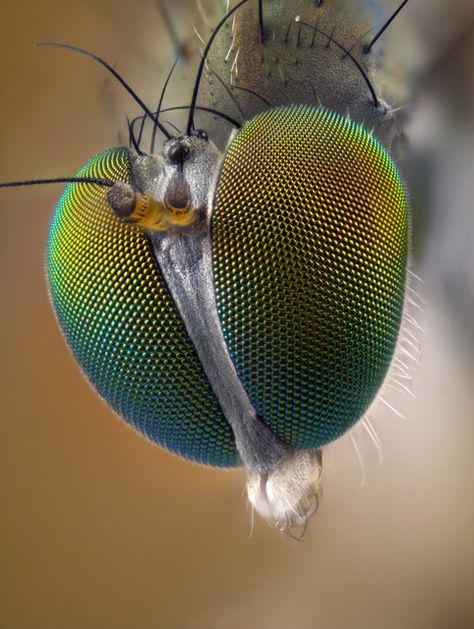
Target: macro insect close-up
point(250, 224)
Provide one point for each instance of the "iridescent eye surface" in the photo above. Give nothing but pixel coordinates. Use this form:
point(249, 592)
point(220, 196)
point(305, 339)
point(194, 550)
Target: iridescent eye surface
point(121, 324)
point(308, 234)
point(309, 237)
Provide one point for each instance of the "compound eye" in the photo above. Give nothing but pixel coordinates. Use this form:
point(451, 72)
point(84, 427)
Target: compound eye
point(117, 315)
point(309, 244)
point(201, 134)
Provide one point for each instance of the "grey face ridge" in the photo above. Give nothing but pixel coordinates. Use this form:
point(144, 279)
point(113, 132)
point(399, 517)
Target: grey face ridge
point(184, 256)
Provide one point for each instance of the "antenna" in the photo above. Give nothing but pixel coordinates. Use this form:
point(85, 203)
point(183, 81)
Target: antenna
point(108, 183)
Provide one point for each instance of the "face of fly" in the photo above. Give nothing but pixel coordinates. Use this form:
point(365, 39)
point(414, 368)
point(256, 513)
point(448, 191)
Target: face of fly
point(77, 112)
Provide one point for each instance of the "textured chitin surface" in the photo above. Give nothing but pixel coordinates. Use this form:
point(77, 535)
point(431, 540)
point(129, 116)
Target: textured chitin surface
point(122, 326)
point(309, 235)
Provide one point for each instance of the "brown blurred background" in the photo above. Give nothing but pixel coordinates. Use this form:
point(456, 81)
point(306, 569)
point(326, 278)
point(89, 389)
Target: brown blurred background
point(99, 528)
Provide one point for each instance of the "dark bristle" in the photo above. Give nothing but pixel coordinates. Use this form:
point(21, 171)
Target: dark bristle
point(131, 135)
point(228, 92)
point(245, 89)
point(351, 57)
point(260, 21)
point(114, 73)
point(214, 112)
point(197, 82)
point(316, 26)
point(160, 104)
point(138, 141)
point(170, 124)
point(209, 110)
point(368, 47)
point(331, 37)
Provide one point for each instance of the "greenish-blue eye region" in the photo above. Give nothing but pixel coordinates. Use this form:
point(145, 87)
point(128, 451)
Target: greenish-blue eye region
point(122, 326)
point(309, 241)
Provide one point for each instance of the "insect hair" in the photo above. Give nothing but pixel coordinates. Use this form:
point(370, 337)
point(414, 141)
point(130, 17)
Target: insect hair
point(135, 139)
point(260, 21)
point(228, 90)
point(368, 47)
point(249, 91)
point(108, 183)
point(160, 104)
point(209, 110)
point(347, 53)
point(202, 63)
point(116, 75)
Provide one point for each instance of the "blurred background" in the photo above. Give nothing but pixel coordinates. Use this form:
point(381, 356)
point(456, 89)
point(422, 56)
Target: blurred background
point(98, 527)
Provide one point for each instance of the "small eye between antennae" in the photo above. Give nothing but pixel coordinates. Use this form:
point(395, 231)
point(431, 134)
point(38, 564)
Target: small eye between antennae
point(368, 47)
point(108, 183)
point(114, 72)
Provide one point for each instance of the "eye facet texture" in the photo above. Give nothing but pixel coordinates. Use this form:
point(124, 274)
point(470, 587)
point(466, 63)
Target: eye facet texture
point(309, 238)
point(121, 324)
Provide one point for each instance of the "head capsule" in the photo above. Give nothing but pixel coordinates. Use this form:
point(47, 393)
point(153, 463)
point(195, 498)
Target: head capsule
point(170, 192)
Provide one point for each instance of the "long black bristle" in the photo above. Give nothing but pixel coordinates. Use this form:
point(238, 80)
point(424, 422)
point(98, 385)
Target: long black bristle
point(246, 89)
point(170, 124)
point(197, 82)
point(114, 73)
point(228, 92)
point(366, 49)
point(160, 103)
point(260, 21)
point(215, 112)
point(351, 57)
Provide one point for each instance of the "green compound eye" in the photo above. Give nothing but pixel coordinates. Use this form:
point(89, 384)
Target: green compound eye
point(261, 329)
point(122, 326)
point(309, 241)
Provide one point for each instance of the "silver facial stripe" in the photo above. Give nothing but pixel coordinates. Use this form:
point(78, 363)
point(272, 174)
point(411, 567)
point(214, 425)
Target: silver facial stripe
point(186, 264)
point(185, 259)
